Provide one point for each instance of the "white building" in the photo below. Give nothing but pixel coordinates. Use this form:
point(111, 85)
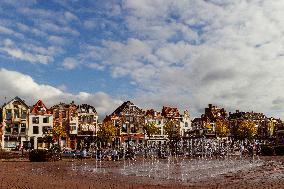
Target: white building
point(41, 122)
point(185, 123)
point(15, 123)
point(152, 116)
point(88, 121)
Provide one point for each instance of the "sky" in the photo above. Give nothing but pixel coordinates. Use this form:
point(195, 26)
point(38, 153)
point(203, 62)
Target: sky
point(155, 53)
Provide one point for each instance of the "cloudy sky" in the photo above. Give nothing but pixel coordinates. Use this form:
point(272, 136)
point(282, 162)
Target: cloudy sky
point(184, 53)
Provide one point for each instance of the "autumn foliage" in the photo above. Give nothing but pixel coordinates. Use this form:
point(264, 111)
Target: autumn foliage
point(222, 128)
point(246, 130)
point(150, 129)
point(106, 132)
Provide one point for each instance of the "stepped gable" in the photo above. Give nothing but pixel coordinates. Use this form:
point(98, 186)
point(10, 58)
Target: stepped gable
point(152, 113)
point(170, 112)
point(247, 115)
point(213, 113)
point(60, 105)
point(40, 108)
point(86, 108)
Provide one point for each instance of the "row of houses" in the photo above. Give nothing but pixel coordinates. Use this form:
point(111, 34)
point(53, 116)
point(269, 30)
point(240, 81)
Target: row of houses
point(33, 126)
point(266, 126)
point(72, 125)
point(129, 119)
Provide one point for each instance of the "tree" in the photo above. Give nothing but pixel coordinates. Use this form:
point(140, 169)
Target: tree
point(173, 131)
point(246, 130)
point(150, 129)
point(106, 132)
point(58, 131)
point(222, 128)
point(208, 126)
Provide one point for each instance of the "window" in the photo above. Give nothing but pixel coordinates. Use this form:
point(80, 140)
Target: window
point(45, 129)
point(35, 120)
point(8, 129)
point(24, 114)
point(8, 114)
point(56, 115)
point(45, 120)
point(133, 129)
point(186, 124)
point(35, 129)
point(124, 128)
point(63, 113)
point(16, 113)
point(131, 119)
point(73, 126)
point(16, 128)
point(23, 127)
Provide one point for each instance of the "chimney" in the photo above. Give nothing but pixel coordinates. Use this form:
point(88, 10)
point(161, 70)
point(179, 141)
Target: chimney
point(237, 111)
point(210, 105)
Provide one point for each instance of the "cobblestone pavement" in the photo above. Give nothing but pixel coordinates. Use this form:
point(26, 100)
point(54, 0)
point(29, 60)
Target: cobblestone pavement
point(68, 174)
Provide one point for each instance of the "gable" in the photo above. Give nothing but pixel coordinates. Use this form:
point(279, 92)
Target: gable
point(40, 108)
point(16, 102)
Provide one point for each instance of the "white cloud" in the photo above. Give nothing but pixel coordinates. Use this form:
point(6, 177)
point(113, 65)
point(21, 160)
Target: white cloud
point(5, 30)
point(183, 53)
point(191, 53)
point(51, 21)
point(70, 63)
point(8, 42)
point(57, 40)
point(26, 56)
point(17, 84)
point(96, 66)
point(70, 16)
point(29, 29)
point(90, 24)
point(29, 52)
point(49, 26)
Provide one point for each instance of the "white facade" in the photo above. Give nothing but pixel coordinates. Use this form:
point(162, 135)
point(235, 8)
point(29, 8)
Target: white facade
point(73, 122)
point(185, 123)
point(159, 122)
point(88, 122)
point(40, 126)
point(15, 124)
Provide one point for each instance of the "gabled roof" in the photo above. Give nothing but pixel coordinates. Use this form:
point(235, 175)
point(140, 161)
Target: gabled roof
point(170, 112)
point(60, 105)
point(40, 108)
point(125, 107)
point(122, 107)
point(86, 108)
point(17, 99)
point(152, 113)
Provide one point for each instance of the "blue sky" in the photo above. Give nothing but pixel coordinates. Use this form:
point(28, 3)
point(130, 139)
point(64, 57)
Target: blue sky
point(185, 53)
point(71, 42)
